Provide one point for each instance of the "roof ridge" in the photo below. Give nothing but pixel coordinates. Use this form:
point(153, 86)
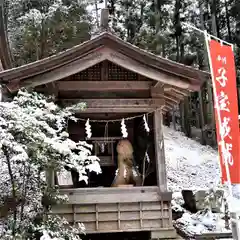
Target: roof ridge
point(71, 54)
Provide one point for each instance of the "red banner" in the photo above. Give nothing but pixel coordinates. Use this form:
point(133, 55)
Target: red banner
point(226, 108)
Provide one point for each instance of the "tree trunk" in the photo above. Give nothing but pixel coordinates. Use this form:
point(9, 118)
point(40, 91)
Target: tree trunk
point(177, 49)
point(42, 43)
point(209, 87)
point(13, 186)
point(201, 118)
point(215, 27)
point(228, 21)
point(210, 110)
point(96, 9)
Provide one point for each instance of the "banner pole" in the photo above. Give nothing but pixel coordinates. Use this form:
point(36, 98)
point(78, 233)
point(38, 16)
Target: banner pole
point(206, 36)
point(234, 212)
point(203, 31)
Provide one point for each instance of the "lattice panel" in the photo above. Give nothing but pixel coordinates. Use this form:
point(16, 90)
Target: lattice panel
point(91, 74)
point(114, 73)
point(118, 73)
point(94, 73)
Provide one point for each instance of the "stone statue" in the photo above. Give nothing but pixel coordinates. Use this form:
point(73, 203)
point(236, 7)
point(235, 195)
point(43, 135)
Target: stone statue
point(126, 173)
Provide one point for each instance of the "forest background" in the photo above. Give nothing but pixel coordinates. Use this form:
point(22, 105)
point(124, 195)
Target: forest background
point(38, 29)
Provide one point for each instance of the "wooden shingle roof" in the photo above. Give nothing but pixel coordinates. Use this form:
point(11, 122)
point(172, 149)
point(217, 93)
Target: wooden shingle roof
point(177, 78)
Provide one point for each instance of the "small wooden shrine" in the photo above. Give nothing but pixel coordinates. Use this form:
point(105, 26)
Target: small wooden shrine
point(117, 81)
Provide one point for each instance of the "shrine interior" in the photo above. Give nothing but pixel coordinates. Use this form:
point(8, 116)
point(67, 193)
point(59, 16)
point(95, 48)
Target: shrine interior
point(106, 134)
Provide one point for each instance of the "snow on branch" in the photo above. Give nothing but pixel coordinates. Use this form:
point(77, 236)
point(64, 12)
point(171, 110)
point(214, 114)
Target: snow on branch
point(32, 140)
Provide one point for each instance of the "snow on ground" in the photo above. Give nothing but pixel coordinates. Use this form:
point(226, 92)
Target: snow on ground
point(190, 165)
point(193, 166)
point(200, 222)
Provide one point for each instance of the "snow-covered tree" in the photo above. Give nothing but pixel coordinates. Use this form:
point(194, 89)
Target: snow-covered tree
point(34, 141)
point(38, 29)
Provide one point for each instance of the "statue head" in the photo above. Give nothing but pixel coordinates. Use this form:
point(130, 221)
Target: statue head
point(124, 148)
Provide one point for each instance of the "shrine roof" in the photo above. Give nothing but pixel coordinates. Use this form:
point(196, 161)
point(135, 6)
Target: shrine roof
point(105, 39)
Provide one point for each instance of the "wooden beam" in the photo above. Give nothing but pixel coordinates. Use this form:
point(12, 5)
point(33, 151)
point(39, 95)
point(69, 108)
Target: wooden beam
point(164, 111)
point(112, 198)
point(118, 103)
point(169, 103)
point(171, 98)
point(121, 194)
point(176, 95)
point(117, 110)
point(168, 107)
point(96, 56)
point(62, 72)
point(181, 92)
point(103, 85)
point(159, 150)
point(168, 88)
point(159, 85)
point(145, 70)
point(157, 91)
point(104, 71)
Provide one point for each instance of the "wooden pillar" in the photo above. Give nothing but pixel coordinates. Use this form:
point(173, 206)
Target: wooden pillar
point(174, 118)
point(159, 151)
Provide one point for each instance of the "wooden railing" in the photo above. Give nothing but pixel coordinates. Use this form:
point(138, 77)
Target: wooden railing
point(118, 209)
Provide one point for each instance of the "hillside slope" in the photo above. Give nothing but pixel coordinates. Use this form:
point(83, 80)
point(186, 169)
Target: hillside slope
point(190, 165)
